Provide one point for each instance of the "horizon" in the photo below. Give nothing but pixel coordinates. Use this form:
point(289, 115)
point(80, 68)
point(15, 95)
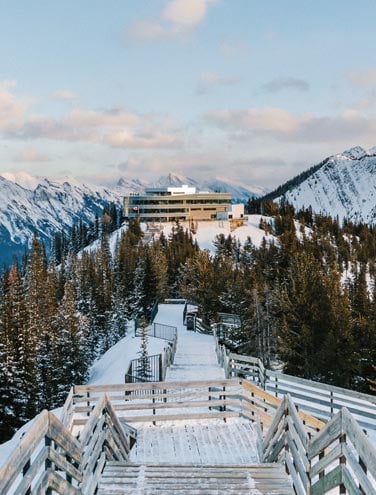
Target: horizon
point(213, 88)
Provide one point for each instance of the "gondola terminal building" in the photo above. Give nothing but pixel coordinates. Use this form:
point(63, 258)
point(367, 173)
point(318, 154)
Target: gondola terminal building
point(169, 204)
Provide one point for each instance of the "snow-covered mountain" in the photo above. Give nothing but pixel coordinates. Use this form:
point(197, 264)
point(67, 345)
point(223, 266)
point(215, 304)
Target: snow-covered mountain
point(33, 204)
point(343, 185)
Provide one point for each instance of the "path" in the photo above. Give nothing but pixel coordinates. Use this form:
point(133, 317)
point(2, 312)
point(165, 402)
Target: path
point(195, 357)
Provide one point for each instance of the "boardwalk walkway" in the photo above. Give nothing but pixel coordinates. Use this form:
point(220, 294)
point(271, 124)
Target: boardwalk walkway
point(195, 357)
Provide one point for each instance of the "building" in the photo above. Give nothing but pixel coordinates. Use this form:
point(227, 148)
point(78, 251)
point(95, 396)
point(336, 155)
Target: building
point(170, 204)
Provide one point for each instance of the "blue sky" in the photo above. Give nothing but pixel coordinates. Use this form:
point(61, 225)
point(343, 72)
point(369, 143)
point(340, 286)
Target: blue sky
point(254, 91)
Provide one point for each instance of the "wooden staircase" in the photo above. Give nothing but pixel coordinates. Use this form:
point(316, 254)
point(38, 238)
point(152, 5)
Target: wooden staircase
point(120, 478)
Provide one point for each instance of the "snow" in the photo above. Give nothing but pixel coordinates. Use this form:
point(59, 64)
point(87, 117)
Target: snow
point(112, 366)
point(345, 185)
point(192, 442)
point(195, 357)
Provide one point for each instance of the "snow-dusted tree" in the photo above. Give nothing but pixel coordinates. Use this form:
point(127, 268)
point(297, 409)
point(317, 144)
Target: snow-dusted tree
point(70, 357)
point(143, 370)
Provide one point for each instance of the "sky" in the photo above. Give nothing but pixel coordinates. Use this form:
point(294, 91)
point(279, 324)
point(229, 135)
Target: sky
point(242, 89)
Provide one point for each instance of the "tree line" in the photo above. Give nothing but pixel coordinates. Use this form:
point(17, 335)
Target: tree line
point(58, 315)
point(305, 298)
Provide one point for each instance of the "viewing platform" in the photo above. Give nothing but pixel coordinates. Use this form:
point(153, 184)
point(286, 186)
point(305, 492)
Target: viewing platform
point(194, 433)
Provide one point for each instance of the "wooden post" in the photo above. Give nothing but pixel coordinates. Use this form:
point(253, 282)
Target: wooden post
point(161, 377)
point(342, 461)
point(24, 471)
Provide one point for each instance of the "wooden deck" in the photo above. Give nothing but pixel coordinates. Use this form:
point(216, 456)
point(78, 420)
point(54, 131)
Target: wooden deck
point(192, 442)
point(170, 479)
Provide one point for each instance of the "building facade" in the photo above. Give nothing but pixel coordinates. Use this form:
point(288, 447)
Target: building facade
point(170, 204)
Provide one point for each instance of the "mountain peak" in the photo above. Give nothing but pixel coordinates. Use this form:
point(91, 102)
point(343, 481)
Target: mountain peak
point(355, 153)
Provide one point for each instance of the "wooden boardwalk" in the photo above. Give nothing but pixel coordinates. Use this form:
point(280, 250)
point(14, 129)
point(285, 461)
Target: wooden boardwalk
point(171, 479)
point(192, 442)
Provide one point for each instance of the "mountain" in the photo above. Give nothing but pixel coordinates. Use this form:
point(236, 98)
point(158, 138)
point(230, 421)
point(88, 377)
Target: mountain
point(239, 192)
point(343, 185)
point(31, 204)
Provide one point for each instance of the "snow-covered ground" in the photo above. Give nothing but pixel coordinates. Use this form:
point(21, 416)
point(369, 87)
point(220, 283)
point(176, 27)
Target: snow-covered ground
point(195, 357)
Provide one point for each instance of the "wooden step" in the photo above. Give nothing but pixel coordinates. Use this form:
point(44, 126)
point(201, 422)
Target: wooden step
point(167, 479)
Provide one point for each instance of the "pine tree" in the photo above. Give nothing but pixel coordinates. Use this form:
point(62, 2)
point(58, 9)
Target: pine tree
point(144, 370)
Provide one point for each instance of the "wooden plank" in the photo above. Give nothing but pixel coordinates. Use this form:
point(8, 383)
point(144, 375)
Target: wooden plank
point(357, 470)
point(31, 474)
point(139, 406)
point(123, 387)
point(125, 442)
point(265, 417)
point(170, 396)
point(62, 463)
point(355, 434)
point(63, 437)
point(300, 461)
point(60, 485)
point(331, 431)
point(173, 417)
point(311, 420)
point(91, 422)
point(329, 457)
point(276, 443)
point(91, 483)
point(323, 386)
point(297, 422)
point(297, 482)
point(23, 452)
point(350, 485)
point(250, 387)
point(259, 403)
point(281, 411)
point(67, 409)
point(328, 482)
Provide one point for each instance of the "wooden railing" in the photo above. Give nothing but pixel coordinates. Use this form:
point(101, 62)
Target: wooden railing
point(49, 458)
point(99, 425)
point(340, 455)
point(319, 399)
point(159, 401)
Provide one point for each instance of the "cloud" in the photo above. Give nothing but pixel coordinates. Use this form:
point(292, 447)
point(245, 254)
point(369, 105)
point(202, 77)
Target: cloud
point(183, 13)
point(115, 127)
point(209, 80)
point(12, 109)
point(285, 83)
point(178, 17)
point(31, 155)
point(364, 78)
point(65, 95)
point(282, 125)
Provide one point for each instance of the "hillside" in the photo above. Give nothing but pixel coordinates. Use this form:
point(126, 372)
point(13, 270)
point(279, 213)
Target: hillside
point(42, 205)
point(343, 185)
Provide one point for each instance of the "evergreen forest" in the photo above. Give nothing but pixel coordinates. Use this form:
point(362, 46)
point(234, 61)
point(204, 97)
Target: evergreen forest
point(306, 299)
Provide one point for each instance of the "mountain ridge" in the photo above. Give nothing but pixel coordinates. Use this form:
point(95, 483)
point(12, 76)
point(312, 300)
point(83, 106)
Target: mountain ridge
point(342, 185)
point(46, 205)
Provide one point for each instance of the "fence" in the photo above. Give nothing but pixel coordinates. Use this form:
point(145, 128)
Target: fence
point(50, 458)
point(153, 368)
point(319, 399)
point(338, 456)
point(68, 457)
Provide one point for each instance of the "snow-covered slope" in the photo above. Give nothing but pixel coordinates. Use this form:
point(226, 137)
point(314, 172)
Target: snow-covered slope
point(220, 184)
point(343, 185)
point(35, 204)
point(29, 204)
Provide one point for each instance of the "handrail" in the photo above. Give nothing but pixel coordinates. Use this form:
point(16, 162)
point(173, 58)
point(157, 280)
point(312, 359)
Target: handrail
point(340, 455)
point(48, 443)
point(319, 399)
point(49, 457)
